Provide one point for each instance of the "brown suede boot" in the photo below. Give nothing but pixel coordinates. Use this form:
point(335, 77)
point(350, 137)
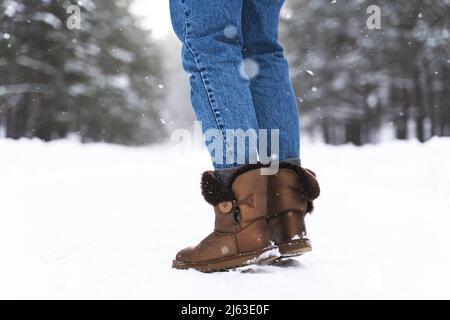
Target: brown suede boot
point(290, 195)
point(241, 235)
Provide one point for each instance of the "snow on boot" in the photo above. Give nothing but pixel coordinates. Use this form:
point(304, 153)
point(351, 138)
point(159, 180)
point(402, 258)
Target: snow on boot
point(290, 195)
point(241, 235)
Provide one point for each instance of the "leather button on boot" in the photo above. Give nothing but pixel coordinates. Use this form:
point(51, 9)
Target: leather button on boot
point(226, 207)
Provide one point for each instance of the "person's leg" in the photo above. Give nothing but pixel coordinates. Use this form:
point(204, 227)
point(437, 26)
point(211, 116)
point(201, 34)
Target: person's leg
point(221, 97)
point(212, 53)
point(292, 190)
point(250, 207)
point(273, 96)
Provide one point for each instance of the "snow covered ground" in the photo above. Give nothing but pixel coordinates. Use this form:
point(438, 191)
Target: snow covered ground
point(101, 221)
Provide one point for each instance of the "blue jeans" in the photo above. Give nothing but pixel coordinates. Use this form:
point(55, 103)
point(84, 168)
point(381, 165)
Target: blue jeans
point(239, 75)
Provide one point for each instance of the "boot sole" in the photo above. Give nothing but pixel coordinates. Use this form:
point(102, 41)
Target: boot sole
point(294, 248)
point(264, 256)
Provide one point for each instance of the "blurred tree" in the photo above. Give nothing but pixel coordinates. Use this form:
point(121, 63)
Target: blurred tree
point(352, 81)
point(99, 82)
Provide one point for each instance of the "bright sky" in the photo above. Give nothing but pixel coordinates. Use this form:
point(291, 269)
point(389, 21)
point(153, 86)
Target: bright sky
point(156, 16)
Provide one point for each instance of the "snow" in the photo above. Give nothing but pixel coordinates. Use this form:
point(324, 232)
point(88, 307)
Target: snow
point(273, 253)
point(249, 68)
point(230, 31)
point(102, 221)
point(48, 18)
point(123, 55)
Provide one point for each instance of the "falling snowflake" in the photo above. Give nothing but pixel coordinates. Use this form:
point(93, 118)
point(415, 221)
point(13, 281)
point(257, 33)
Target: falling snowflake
point(160, 86)
point(6, 36)
point(420, 16)
point(249, 69)
point(314, 89)
point(310, 72)
point(372, 101)
point(230, 31)
point(162, 121)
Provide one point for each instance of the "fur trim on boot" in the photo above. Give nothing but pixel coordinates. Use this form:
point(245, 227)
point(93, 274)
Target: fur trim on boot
point(307, 179)
point(216, 190)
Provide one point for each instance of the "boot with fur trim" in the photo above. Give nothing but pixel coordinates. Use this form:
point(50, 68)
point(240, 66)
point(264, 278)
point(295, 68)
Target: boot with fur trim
point(241, 235)
point(290, 195)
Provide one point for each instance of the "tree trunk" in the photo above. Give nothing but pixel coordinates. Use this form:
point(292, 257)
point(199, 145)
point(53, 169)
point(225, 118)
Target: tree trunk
point(419, 106)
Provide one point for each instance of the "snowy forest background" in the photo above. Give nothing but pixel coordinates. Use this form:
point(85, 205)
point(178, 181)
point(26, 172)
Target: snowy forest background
point(113, 81)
